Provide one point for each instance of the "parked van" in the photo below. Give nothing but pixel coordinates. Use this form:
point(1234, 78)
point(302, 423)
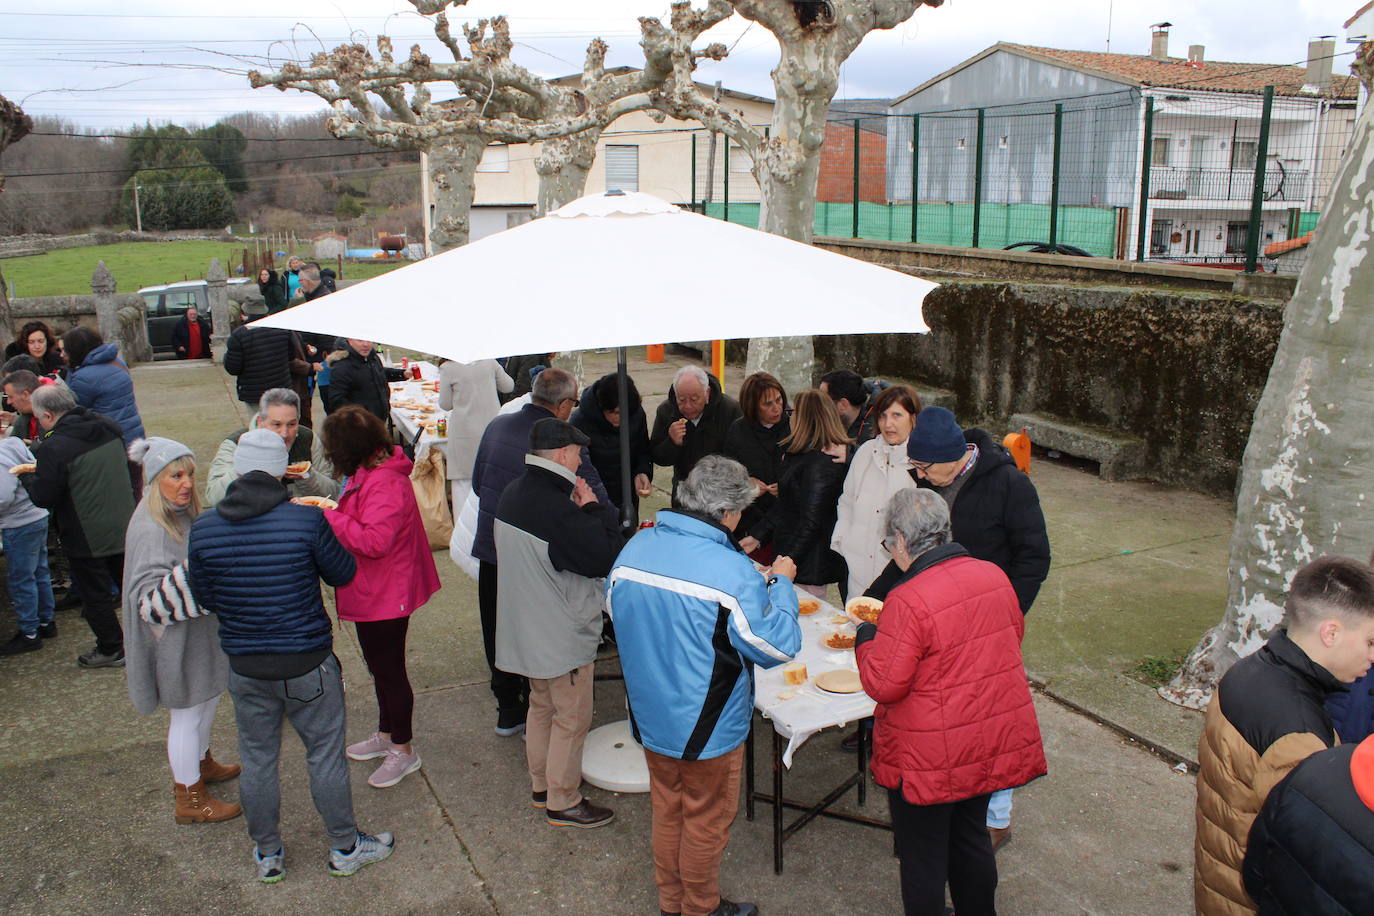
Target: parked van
point(166, 304)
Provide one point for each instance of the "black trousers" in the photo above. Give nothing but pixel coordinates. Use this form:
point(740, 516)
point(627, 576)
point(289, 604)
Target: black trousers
point(97, 581)
point(939, 843)
point(384, 649)
point(512, 691)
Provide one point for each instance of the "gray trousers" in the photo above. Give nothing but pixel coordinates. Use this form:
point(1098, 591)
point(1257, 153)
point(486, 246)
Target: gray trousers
point(314, 704)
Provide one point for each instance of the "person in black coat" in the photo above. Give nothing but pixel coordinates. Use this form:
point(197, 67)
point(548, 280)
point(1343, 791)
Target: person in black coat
point(184, 343)
point(360, 378)
point(259, 359)
point(755, 441)
point(803, 519)
point(598, 415)
point(273, 289)
point(36, 339)
point(691, 422)
point(1311, 850)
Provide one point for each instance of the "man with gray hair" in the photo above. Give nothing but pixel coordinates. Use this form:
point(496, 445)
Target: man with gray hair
point(500, 460)
point(279, 411)
point(692, 616)
point(691, 423)
point(82, 478)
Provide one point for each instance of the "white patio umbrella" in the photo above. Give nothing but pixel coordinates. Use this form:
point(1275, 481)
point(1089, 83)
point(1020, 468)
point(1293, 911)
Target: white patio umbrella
point(614, 270)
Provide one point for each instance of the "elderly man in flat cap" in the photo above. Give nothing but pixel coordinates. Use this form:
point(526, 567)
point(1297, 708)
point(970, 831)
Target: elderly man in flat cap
point(554, 544)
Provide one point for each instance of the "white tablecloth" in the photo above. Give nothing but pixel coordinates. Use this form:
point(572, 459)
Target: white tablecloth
point(407, 420)
point(809, 709)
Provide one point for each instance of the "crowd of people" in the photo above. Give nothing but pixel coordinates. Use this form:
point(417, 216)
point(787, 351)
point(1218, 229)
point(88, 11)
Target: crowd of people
point(201, 584)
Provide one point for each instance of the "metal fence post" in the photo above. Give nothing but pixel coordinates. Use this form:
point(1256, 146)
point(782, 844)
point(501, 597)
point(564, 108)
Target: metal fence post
point(1145, 161)
point(725, 193)
point(693, 198)
point(978, 179)
point(854, 228)
point(915, 170)
point(1054, 173)
point(1252, 237)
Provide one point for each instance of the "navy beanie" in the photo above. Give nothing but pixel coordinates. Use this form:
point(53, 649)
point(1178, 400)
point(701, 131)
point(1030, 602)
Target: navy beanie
point(937, 437)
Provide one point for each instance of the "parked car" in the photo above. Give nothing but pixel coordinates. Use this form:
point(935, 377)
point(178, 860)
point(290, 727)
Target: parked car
point(166, 304)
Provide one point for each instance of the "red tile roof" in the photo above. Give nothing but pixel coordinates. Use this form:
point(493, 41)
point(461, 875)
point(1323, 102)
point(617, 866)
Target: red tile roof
point(1178, 73)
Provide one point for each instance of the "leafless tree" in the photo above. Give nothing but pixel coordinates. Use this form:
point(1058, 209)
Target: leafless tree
point(1308, 470)
point(14, 126)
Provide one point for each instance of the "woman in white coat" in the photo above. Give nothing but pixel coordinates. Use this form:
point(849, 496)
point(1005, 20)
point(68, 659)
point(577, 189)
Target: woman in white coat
point(469, 390)
point(879, 469)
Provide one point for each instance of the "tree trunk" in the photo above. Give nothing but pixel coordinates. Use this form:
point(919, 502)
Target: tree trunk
point(1309, 465)
point(6, 314)
point(452, 166)
point(786, 165)
point(563, 165)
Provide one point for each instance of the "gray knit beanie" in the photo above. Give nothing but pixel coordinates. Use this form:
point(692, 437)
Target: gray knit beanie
point(260, 450)
point(155, 453)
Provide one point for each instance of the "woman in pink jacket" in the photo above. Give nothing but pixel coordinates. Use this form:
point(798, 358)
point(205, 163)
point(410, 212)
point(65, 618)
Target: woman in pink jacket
point(379, 523)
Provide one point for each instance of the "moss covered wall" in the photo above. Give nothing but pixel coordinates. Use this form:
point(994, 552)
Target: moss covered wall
point(1181, 370)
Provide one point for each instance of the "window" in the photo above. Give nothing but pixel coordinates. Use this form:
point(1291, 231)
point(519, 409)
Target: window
point(622, 168)
point(1159, 150)
point(495, 158)
point(961, 143)
point(740, 161)
point(1237, 234)
point(1159, 236)
point(1243, 154)
point(1003, 142)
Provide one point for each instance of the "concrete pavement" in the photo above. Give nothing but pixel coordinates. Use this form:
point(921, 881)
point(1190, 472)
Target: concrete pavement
point(85, 795)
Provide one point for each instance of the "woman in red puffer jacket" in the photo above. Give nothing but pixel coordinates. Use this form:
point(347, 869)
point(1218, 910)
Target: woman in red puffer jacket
point(955, 721)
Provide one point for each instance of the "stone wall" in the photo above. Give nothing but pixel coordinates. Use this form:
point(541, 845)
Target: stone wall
point(1182, 371)
point(62, 313)
point(33, 242)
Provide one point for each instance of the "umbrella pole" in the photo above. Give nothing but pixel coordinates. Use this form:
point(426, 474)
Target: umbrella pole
point(622, 382)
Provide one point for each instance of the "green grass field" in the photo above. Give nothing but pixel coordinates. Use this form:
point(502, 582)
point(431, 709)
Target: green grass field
point(134, 265)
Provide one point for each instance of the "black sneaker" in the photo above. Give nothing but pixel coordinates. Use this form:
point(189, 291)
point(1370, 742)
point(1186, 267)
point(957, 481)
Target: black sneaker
point(510, 722)
point(539, 800)
point(21, 643)
point(48, 630)
point(730, 908)
point(97, 659)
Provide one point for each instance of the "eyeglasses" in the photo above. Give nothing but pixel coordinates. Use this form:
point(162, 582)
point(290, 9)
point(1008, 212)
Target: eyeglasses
point(922, 466)
point(889, 544)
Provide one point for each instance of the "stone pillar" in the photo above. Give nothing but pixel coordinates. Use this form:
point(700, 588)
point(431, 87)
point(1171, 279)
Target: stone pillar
point(106, 312)
point(218, 292)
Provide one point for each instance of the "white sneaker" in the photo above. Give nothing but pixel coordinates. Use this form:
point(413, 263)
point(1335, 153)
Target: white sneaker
point(369, 748)
point(271, 869)
point(397, 766)
point(366, 850)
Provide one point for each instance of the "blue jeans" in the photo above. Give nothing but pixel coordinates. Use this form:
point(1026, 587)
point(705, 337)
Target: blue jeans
point(26, 549)
point(999, 809)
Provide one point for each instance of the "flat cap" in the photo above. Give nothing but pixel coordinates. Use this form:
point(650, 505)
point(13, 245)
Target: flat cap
point(552, 432)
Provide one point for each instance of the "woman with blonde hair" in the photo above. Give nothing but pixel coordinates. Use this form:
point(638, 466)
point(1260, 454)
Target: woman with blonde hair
point(171, 644)
point(802, 521)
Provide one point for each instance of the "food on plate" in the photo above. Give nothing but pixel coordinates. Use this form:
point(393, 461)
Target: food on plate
point(299, 467)
point(863, 609)
point(839, 641)
point(27, 467)
point(838, 618)
point(794, 673)
point(841, 680)
point(323, 502)
point(808, 606)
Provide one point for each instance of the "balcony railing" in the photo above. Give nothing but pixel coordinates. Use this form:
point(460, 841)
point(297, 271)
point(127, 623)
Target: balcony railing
point(1175, 183)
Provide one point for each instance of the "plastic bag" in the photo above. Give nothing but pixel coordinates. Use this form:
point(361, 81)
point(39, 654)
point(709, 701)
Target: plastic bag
point(428, 478)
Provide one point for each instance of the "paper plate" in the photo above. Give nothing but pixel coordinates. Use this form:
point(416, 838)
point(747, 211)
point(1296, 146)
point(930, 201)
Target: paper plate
point(841, 680)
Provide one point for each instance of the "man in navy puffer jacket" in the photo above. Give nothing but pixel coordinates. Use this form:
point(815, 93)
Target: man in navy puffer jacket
point(256, 560)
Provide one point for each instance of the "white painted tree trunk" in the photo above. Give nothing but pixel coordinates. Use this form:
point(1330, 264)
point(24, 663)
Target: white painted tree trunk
point(452, 168)
point(1307, 481)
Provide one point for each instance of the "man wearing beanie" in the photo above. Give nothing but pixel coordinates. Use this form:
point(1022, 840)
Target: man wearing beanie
point(994, 515)
point(256, 560)
point(555, 543)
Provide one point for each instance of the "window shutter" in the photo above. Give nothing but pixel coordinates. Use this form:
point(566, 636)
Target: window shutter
point(622, 168)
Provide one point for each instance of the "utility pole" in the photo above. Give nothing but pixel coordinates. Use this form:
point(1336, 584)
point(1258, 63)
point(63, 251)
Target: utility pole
point(138, 214)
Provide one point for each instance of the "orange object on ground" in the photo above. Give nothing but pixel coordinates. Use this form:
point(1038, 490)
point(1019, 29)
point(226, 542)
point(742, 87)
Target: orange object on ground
point(1019, 444)
point(718, 361)
point(653, 353)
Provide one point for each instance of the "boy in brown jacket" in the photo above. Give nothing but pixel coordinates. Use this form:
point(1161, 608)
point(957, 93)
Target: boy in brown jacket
point(1268, 714)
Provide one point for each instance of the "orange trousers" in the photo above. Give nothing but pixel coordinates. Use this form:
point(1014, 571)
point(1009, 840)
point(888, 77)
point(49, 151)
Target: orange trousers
point(695, 802)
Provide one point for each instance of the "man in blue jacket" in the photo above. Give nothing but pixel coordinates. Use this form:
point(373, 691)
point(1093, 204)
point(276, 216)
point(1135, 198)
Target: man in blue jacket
point(256, 560)
point(500, 460)
point(692, 616)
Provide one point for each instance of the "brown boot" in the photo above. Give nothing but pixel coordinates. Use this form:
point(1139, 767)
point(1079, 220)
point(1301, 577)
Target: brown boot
point(211, 771)
point(196, 805)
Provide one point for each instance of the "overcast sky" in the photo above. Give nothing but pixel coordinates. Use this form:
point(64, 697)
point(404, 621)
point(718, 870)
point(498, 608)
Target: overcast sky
point(163, 60)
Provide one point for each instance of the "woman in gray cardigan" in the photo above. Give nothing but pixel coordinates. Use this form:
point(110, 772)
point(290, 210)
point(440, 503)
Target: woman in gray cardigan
point(171, 645)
